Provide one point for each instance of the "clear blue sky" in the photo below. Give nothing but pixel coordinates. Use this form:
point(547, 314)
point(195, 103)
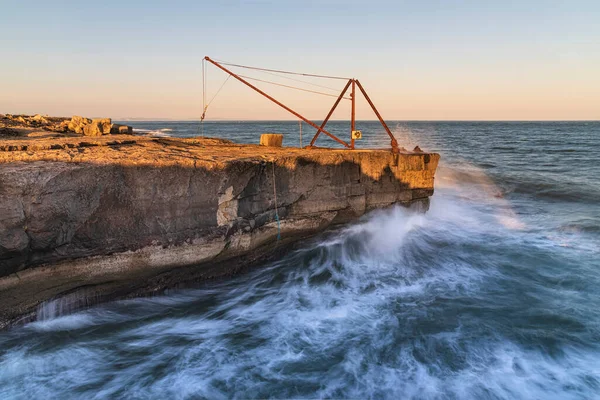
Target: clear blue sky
point(419, 60)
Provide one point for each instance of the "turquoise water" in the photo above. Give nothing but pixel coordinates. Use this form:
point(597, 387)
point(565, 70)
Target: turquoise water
point(493, 294)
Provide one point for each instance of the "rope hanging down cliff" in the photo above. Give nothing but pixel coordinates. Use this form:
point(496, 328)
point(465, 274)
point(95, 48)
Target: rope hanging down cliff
point(276, 210)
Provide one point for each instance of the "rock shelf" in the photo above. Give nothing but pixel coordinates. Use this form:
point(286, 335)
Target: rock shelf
point(116, 216)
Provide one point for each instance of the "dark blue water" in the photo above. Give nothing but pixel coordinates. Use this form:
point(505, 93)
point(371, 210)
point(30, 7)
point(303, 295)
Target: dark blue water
point(493, 294)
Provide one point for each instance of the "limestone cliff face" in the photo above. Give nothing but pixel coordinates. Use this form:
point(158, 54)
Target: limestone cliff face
point(117, 213)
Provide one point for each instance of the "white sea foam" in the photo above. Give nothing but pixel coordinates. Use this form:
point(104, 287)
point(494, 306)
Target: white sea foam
point(64, 322)
point(165, 132)
point(397, 305)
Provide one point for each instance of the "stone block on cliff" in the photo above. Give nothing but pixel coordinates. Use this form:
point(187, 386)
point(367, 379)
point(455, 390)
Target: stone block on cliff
point(78, 123)
point(271, 139)
point(121, 129)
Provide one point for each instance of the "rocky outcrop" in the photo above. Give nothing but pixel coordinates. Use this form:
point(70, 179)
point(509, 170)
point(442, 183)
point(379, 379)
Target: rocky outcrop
point(98, 127)
point(104, 125)
point(23, 125)
point(78, 124)
point(37, 121)
point(125, 217)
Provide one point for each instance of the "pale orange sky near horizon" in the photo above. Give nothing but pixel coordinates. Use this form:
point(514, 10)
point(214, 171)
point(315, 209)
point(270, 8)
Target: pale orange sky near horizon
point(427, 62)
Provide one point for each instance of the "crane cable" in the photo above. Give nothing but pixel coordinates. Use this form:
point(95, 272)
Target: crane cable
point(204, 74)
point(337, 90)
point(282, 72)
point(292, 87)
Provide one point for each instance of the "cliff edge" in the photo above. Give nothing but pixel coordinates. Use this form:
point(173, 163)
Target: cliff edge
point(122, 215)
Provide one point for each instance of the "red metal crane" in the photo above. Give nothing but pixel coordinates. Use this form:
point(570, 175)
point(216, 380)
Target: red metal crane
point(320, 129)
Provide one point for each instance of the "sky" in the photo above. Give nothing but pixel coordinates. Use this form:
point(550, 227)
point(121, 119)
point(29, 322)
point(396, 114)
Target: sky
point(418, 60)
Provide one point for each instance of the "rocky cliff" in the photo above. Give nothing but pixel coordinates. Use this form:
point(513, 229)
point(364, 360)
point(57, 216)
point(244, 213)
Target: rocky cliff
point(113, 216)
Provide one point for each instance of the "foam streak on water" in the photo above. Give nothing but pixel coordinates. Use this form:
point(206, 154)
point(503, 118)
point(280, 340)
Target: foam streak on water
point(489, 295)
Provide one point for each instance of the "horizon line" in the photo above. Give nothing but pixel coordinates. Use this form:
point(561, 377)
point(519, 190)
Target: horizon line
point(347, 120)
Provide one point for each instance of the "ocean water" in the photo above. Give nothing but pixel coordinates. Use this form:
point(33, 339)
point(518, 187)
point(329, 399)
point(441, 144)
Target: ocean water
point(492, 294)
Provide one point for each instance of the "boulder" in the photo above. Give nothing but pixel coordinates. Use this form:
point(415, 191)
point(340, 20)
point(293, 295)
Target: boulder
point(121, 129)
point(78, 123)
point(104, 124)
point(39, 118)
point(63, 126)
point(93, 129)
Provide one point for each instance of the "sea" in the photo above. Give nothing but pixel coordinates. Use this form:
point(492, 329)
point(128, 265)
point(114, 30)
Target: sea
point(494, 293)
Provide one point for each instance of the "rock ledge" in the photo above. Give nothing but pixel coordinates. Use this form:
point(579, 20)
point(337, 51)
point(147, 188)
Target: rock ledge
point(110, 217)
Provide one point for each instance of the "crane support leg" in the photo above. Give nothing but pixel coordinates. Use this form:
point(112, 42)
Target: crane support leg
point(314, 139)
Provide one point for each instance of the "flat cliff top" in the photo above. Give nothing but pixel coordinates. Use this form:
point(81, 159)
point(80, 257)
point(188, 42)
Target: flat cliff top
point(144, 150)
point(97, 141)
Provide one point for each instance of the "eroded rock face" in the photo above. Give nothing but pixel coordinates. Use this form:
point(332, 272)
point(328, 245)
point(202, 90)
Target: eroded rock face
point(13, 226)
point(117, 215)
